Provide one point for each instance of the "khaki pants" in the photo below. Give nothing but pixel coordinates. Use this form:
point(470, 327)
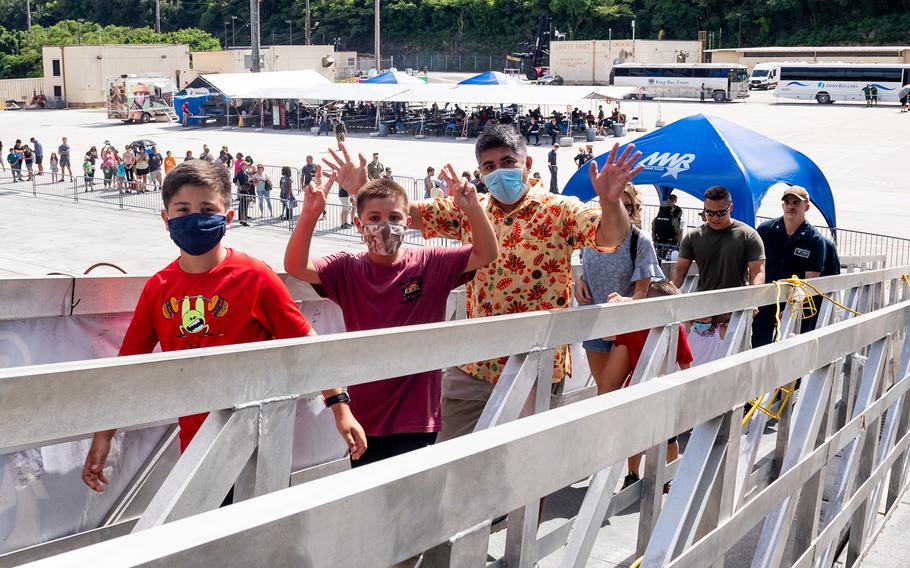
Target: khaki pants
point(155, 177)
point(463, 401)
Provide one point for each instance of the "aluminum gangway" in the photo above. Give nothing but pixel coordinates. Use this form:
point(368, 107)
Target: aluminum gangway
point(849, 424)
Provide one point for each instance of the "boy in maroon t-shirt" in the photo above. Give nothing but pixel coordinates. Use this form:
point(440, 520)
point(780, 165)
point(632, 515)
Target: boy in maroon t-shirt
point(209, 296)
point(388, 286)
point(627, 348)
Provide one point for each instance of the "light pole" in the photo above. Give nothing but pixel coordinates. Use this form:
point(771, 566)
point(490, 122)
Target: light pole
point(307, 30)
point(158, 16)
point(233, 37)
point(28, 15)
point(225, 35)
point(633, 37)
point(739, 38)
point(79, 30)
point(290, 35)
point(376, 38)
point(255, 39)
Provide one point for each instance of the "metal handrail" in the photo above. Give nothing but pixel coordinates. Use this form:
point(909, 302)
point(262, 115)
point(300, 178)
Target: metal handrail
point(156, 385)
point(493, 467)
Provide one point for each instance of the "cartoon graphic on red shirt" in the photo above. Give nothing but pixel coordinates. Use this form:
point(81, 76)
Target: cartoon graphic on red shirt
point(192, 311)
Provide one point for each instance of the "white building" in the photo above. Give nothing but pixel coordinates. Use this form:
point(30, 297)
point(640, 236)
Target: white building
point(588, 62)
point(751, 56)
point(320, 58)
point(76, 74)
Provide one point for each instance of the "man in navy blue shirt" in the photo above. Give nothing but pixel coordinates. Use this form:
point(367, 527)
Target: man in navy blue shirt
point(793, 247)
point(551, 163)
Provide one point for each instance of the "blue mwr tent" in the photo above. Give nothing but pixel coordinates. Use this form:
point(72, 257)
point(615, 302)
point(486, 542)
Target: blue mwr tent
point(394, 77)
point(492, 78)
point(697, 152)
point(194, 104)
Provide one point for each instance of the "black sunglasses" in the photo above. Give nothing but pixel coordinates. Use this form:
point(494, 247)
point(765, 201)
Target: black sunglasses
point(721, 213)
point(628, 207)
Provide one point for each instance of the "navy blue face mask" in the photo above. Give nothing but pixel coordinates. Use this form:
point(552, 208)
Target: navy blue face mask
point(197, 233)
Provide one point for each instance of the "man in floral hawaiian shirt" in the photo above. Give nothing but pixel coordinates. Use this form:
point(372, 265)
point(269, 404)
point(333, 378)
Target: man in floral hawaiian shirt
point(537, 230)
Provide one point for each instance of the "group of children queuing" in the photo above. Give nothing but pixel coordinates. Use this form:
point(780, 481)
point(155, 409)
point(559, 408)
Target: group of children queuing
point(137, 168)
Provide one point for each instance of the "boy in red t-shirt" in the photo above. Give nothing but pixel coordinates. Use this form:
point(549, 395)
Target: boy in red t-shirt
point(388, 286)
point(209, 296)
point(627, 348)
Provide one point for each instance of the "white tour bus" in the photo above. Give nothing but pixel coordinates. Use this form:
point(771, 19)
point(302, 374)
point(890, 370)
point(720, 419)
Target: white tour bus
point(829, 82)
point(764, 76)
point(719, 81)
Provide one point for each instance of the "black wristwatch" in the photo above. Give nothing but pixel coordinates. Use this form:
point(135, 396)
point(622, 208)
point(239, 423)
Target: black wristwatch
point(338, 398)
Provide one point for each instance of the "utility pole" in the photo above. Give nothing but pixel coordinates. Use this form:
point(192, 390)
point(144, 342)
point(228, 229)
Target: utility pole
point(306, 24)
point(254, 35)
point(233, 37)
point(158, 16)
point(376, 38)
point(28, 15)
point(739, 39)
point(290, 33)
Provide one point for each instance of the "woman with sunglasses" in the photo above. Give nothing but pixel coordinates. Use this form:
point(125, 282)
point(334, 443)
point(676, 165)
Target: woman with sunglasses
point(609, 277)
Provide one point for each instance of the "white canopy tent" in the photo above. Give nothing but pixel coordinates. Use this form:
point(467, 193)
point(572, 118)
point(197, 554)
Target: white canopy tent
point(327, 92)
point(508, 94)
point(263, 85)
point(439, 93)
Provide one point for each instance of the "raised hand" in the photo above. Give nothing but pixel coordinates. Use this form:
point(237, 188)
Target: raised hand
point(314, 196)
point(610, 181)
point(464, 194)
point(349, 176)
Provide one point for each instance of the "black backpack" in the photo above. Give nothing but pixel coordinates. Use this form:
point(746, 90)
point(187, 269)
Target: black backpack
point(664, 230)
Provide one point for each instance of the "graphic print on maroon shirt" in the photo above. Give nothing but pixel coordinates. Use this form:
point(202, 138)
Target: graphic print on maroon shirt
point(414, 290)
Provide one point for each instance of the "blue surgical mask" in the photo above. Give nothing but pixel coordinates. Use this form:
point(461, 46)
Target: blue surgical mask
point(702, 327)
point(197, 233)
point(505, 184)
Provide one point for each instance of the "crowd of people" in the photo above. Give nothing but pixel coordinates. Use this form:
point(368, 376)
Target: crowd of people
point(516, 256)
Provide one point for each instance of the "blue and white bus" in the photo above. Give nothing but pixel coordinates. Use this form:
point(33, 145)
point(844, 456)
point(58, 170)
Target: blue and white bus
point(716, 81)
point(829, 82)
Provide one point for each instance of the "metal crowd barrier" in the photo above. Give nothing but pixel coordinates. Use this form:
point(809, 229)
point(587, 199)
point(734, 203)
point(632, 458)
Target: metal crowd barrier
point(853, 243)
point(850, 423)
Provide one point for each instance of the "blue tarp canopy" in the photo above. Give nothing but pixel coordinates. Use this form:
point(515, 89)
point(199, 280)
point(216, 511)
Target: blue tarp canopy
point(194, 103)
point(492, 78)
point(394, 78)
point(697, 152)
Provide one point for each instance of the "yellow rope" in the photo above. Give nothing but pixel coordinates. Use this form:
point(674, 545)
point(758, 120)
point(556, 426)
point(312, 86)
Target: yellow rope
point(637, 563)
point(803, 304)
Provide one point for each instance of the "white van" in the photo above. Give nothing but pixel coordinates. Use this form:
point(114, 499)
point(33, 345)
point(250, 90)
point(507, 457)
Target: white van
point(764, 76)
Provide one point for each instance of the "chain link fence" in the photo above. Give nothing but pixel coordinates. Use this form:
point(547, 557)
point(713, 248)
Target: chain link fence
point(432, 62)
point(447, 62)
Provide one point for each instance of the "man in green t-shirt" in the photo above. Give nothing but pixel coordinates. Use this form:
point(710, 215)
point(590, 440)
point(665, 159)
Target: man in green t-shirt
point(375, 168)
point(728, 253)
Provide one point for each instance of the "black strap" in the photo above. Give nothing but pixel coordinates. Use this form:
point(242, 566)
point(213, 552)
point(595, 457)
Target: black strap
point(633, 245)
